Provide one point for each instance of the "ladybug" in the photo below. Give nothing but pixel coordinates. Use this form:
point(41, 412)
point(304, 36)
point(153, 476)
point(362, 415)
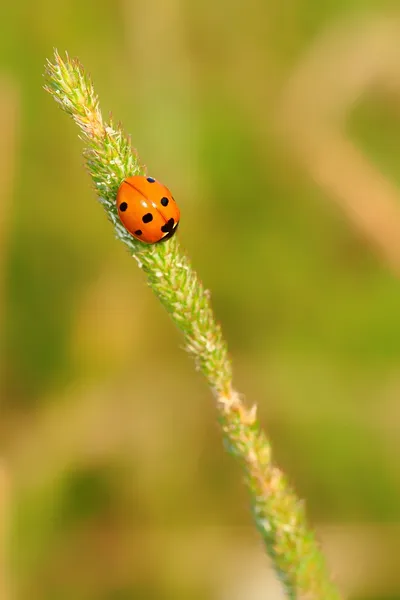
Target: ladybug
point(147, 209)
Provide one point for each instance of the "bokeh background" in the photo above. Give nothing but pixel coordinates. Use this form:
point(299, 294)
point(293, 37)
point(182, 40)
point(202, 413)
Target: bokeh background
point(277, 126)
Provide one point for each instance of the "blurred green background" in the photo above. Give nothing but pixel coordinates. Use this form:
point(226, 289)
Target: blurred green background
point(277, 126)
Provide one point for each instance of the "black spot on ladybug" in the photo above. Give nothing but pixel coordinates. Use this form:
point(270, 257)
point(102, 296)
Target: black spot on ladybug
point(170, 234)
point(147, 218)
point(164, 201)
point(138, 232)
point(123, 206)
point(166, 228)
point(151, 179)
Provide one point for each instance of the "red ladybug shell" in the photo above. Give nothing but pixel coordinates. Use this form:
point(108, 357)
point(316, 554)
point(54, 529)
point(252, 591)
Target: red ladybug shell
point(147, 209)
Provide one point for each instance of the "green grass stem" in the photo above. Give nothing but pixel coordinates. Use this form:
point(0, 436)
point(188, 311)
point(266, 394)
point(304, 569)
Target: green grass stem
point(278, 513)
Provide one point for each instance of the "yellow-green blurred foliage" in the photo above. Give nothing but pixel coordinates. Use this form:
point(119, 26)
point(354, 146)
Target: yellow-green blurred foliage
point(277, 126)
